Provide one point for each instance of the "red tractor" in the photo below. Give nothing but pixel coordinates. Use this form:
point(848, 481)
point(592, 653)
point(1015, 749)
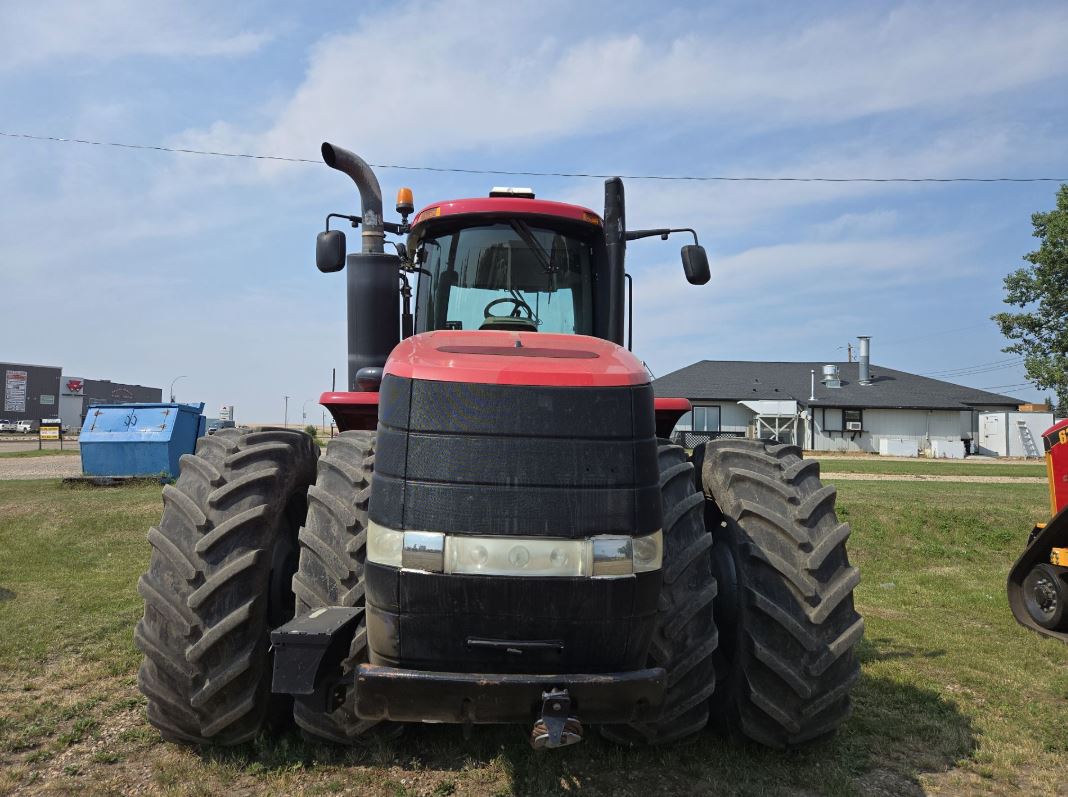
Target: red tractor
point(1038, 582)
point(501, 533)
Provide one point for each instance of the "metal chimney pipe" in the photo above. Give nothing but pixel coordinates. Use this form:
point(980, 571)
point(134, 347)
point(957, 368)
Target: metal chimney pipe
point(812, 390)
point(865, 359)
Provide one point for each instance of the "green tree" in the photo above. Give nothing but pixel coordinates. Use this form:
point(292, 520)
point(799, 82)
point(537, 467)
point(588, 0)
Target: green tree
point(1040, 290)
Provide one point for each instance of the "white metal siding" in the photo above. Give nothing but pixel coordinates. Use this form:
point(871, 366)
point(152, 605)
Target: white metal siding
point(919, 425)
point(735, 418)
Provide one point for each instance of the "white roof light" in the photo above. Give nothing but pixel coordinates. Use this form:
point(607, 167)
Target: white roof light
point(512, 191)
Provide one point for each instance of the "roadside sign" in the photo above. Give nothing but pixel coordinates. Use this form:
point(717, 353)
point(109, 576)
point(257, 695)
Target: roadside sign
point(49, 432)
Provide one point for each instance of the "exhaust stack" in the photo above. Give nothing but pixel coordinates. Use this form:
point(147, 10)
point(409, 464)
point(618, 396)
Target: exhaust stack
point(373, 284)
point(864, 376)
point(370, 193)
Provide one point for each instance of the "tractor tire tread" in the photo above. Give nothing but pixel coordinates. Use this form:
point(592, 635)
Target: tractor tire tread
point(793, 662)
point(204, 633)
point(332, 554)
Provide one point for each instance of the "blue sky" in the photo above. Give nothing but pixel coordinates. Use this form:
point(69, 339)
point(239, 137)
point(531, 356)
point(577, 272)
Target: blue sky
point(142, 266)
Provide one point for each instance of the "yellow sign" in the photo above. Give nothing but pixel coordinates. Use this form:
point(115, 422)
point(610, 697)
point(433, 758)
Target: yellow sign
point(49, 432)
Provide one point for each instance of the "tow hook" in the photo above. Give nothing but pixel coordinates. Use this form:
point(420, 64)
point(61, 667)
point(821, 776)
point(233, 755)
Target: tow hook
point(555, 728)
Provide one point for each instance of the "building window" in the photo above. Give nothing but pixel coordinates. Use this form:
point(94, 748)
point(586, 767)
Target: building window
point(853, 420)
point(706, 419)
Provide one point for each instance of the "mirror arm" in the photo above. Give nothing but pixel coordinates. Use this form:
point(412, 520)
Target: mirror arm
point(354, 219)
point(633, 235)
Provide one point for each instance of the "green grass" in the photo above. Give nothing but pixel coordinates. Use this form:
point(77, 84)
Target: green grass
point(928, 467)
point(46, 452)
point(955, 698)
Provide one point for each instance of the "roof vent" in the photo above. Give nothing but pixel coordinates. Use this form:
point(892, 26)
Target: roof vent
point(513, 192)
point(831, 377)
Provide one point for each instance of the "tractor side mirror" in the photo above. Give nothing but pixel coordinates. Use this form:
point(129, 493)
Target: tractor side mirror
point(330, 251)
point(695, 264)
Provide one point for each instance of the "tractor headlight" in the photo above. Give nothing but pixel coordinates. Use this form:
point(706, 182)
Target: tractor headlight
point(648, 552)
point(622, 556)
point(384, 545)
point(606, 556)
point(514, 556)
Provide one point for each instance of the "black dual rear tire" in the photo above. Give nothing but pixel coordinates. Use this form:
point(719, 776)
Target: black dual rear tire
point(218, 582)
point(333, 550)
point(685, 636)
point(785, 612)
point(753, 541)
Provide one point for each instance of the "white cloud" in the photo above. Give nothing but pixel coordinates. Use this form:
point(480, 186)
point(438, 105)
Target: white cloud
point(34, 34)
point(456, 87)
point(783, 301)
point(853, 225)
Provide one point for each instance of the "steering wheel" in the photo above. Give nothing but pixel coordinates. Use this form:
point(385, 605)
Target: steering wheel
point(519, 305)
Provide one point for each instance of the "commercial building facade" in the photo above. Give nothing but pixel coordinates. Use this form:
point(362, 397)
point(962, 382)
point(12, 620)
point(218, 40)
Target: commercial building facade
point(30, 392)
point(827, 406)
point(33, 392)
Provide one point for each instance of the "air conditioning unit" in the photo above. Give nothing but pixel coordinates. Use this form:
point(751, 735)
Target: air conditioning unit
point(854, 426)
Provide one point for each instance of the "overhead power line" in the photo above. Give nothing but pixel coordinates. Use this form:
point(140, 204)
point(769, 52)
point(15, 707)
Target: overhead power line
point(994, 387)
point(522, 173)
point(976, 369)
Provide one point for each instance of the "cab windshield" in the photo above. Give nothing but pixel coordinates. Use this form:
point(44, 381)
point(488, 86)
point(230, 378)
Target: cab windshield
point(513, 275)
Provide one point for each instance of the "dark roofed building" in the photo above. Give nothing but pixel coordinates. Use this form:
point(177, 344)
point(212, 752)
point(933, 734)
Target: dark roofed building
point(825, 406)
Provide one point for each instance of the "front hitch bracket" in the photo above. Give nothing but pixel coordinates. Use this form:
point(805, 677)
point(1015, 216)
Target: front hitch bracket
point(556, 727)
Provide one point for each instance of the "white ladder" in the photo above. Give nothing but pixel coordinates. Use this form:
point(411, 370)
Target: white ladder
point(1030, 447)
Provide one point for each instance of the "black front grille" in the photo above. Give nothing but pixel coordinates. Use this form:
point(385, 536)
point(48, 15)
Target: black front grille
point(504, 459)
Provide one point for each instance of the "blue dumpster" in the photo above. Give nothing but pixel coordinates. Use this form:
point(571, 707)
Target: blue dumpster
point(138, 439)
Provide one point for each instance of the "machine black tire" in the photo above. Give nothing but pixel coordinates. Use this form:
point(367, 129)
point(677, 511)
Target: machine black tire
point(685, 637)
point(789, 629)
point(1046, 596)
point(218, 582)
point(333, 549)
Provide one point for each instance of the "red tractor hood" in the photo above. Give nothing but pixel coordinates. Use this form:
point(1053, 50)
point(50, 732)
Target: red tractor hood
point(516, 358)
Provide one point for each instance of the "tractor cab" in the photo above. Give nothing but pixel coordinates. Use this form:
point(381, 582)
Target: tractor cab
point(508, 263)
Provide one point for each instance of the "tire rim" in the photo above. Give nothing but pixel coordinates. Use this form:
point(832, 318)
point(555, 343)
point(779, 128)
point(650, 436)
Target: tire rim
point(1042, 600)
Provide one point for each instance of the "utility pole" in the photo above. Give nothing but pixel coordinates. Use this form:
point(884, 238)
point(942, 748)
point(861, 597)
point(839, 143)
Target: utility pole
point(285, 418)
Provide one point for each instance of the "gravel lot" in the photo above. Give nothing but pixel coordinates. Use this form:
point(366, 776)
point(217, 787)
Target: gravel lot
point(925, 477)
point(57, 467)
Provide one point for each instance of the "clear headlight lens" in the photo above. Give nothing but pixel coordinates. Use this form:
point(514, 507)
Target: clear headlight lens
point(648, 552)
point(509, 556)
point(384, 545)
